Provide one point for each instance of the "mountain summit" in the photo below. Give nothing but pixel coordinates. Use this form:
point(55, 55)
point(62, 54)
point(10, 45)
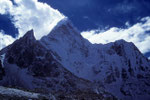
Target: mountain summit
point(119, 66)
point(29, 35)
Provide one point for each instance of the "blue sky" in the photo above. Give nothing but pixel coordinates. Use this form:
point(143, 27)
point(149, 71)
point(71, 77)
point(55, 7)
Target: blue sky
point(127, 19)
point(102, 13)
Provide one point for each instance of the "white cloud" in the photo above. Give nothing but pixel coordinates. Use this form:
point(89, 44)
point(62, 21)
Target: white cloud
point(5, 39)
point(5, 6)
point(31, 14)
point(139, 34)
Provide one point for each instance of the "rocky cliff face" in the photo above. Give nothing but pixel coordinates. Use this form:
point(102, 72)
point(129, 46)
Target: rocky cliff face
point(119, 67)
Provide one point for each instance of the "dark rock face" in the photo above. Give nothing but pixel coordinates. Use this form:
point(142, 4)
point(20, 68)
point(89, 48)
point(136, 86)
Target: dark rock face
point(27, 53)
point(22, 51)
point(118, 49)
point(2, 71)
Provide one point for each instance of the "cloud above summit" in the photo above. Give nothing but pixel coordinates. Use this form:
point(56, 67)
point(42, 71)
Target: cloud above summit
point(30, 14)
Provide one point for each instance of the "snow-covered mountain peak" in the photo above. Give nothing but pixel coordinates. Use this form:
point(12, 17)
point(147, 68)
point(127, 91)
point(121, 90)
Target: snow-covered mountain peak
point(114, 63)
point(64, 21)
point(67, 44)
point(64, 27)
